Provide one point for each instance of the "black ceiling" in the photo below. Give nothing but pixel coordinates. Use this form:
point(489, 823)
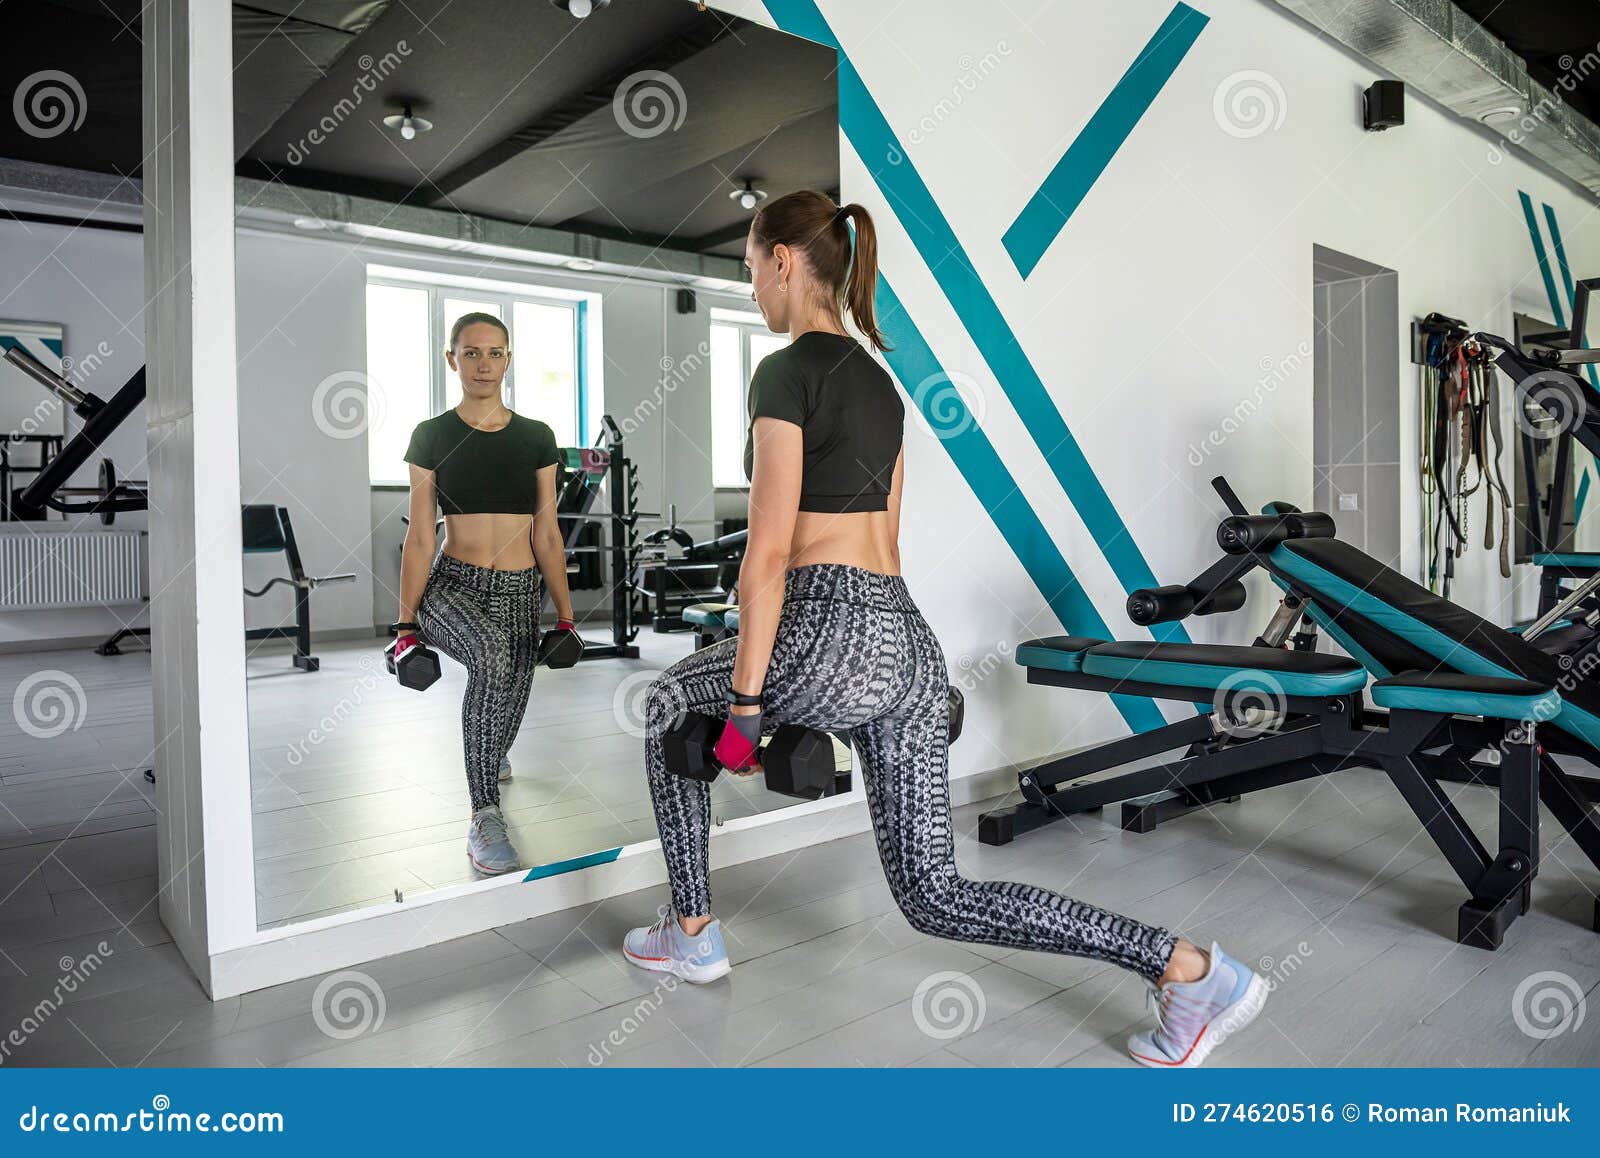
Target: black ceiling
point(520, 93)
point(1553, 37)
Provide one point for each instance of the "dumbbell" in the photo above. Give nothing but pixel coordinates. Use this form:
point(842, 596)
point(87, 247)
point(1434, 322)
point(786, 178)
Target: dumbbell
point(560, 648)
point(797, 761)
point(418, 668)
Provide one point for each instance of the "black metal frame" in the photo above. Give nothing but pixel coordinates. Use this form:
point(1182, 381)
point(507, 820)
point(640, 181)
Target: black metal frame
point(1418, 750)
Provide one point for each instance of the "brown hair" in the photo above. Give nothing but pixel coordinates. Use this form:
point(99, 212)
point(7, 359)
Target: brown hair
point(811, 224)
point(466, 320)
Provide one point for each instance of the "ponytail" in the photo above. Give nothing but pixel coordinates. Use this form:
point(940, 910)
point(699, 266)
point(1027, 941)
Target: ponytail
point(862, 286)
point(811, 224)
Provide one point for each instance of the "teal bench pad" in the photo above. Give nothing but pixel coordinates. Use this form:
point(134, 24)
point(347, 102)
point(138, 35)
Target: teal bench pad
point(1056, 652)
point(1456, 694)
point(1566, 559)
point(1207, 665)
point(712, 616)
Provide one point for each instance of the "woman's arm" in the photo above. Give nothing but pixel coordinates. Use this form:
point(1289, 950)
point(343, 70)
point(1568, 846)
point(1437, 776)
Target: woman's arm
point(896, 489)
point(416, 557)
point(549, 551)
point(774, 505)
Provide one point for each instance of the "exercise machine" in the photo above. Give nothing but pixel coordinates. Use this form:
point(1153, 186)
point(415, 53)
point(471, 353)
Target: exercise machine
point(1452, 698)
point(265, 528)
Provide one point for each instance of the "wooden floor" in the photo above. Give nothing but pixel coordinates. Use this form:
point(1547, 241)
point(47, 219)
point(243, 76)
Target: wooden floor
point(1329, 887)
point(359, 790)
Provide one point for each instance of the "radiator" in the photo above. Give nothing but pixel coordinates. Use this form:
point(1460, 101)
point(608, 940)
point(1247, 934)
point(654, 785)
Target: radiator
point(71, 569)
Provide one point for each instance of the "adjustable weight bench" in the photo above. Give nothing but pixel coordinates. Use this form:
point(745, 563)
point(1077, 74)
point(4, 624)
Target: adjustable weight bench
point(1455, 699)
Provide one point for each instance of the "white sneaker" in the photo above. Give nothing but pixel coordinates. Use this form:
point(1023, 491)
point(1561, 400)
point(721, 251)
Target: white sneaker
point(505, 769)
point(1194, 1017)
point(489, 844)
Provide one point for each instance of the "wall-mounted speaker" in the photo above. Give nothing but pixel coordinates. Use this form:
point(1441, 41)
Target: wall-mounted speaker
point(1383, 105)
point(686, 301)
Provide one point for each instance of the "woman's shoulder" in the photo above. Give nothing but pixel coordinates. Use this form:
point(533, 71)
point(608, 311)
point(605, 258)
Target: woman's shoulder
point(531, 425)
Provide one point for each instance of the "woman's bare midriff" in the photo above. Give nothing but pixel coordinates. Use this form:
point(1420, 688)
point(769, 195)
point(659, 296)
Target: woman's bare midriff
point(864, 539)
point(501, 542)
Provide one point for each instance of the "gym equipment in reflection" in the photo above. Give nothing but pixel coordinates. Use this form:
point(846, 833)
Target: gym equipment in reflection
point(265, 528)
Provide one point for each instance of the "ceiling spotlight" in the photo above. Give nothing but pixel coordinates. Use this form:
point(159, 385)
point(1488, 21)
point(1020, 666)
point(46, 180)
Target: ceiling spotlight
point(310, 223)
point(578, 9)
point(748, 197)
point(407, 125)
point(1500, 113)
point(581, 264)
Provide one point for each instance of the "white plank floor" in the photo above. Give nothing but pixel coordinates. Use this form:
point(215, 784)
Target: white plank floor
point(1329, 886)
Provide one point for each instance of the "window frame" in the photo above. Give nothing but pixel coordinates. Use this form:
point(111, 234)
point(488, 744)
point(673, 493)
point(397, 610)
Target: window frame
point(746, 324)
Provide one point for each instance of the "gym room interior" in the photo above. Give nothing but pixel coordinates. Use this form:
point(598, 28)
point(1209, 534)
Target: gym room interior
point(1247, 484)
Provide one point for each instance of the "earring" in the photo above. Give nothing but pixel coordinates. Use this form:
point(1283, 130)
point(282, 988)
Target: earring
point(783, 287)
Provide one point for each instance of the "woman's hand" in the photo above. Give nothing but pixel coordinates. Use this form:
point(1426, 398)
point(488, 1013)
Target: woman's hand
point(737, 749)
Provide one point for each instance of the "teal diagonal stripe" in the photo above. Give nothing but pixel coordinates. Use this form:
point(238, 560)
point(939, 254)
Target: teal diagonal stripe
point(1566, 281)
point(913, 361)
point(1047, 211)
point(941, 251)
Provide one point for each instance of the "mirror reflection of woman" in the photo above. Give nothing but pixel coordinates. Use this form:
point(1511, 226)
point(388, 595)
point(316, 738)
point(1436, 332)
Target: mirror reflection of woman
point(830, 638)
point(493, 473)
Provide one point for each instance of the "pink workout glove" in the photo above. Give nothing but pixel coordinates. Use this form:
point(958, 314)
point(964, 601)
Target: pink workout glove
point(737, 748)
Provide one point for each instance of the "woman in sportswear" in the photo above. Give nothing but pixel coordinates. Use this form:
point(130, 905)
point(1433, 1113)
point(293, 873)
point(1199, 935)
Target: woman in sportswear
point(494, 474)
point(830, 638)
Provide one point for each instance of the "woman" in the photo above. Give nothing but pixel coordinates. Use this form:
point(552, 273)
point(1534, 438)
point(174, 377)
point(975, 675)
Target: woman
point(494, 474)
point(830, 638)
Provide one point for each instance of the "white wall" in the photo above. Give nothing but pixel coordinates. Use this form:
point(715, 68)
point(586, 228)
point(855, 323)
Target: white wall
point(89, 281)
point(1182, 281)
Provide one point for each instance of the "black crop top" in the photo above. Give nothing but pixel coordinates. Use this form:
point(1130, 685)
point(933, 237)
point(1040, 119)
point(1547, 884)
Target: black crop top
point(483, 471)
point(851, 414)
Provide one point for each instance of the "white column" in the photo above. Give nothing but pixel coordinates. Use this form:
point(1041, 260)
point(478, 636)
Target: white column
point(196, 613)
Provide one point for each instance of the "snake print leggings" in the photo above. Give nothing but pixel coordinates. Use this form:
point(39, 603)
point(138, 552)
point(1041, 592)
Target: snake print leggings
point(854, 653)
point(487, 621)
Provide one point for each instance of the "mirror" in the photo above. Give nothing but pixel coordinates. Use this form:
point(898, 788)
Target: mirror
point(585, 194)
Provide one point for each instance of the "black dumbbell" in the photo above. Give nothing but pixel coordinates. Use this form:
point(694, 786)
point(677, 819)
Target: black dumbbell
point(417, 669)
point(797, 761)
point(958, 713)
point(560, 648)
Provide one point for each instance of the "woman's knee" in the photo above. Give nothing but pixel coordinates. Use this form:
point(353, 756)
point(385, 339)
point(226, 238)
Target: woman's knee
point(929, 903)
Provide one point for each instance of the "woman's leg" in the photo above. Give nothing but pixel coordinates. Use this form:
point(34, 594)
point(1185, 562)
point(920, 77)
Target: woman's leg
point(521, 622)
point(904, 755)
point(696, 683)
point(457, 621)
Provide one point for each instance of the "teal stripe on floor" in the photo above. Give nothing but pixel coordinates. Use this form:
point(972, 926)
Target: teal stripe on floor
point(555, 869)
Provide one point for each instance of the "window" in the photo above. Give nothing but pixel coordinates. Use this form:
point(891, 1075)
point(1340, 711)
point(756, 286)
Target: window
point(738, 343)
point(408, 326)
